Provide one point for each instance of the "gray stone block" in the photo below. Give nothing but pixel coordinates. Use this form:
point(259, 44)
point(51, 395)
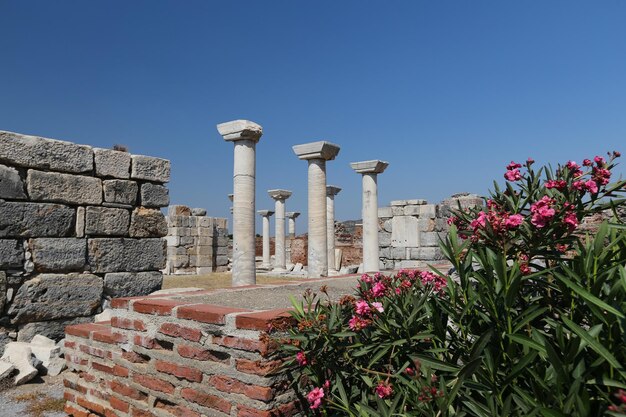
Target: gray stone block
point(179, 261)
point(429, 239)
point(126, 255)
point(397, 203)
point(4, 340)
point(221, 260)
point(120, 191)
point(37, 152)
point(412, 210)
point(153, 195)
point(80, 222)
point(129, 284)
point(56, 296)
point(63, 188)
point(399, 253)
point(384, 212)
point(417, 202)
point(59, 254)
point(106, 221)
point(35, 220)
point(198, 212)
point(3, 292)
point(146, 222)
point(426, 225)
point(404, 231)
point(111, 163)
point(206, 222)
point(384, 239)
point(150, 168)
point(428, 211)
point(426, 254)
point(11, 254)
point(387, 226)
point(11, 184)
point(53, 329)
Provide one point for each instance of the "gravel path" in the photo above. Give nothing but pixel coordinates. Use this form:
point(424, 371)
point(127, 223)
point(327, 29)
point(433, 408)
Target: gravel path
point(39, 388)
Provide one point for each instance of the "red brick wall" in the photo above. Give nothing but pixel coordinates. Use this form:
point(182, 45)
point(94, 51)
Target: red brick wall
point(162, 354)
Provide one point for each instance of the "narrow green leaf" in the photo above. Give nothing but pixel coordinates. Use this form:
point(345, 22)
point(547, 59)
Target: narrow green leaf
point(593, 343)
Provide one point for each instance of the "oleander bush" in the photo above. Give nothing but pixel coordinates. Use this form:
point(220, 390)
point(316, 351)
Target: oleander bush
point(528, 322)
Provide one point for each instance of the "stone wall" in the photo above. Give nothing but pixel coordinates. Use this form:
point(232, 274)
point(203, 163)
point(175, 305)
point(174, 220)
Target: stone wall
point(173, 355)
point(78, 226)
point(410, 230)
point(196, 244)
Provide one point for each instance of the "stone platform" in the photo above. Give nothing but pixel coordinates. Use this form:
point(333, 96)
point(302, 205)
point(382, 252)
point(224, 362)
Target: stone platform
point(190, 353)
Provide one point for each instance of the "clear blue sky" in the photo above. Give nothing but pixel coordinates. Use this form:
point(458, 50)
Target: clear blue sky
point(448, 92)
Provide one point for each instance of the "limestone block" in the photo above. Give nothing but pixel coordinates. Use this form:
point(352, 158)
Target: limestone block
point(384, 239)
point(426, 225)
point(5, 369)
point(11, 254)
point(412, 210)
point(204, 270)
point(417, 202)
point(3, 290)
point(399, 253)
point(44, 353)
point(178, 210)
point(126, 255)
point(387, 225)
point(385, 252)
point(441, 225)
point(55, 366)
point(208, 222)
point(63, 188)
point(179, 231)
point(404, 231)
point(222, 241)
point(221, 260)
point(221, 223)
point(204, 241)
point(198, 212)
point(129, 284)
point(35, 220)
point(177, 250)
point(56, 296)
point(397, 210)
point(384, 212)
point(408, 264)
point(204, 261)
point(172, 240)
point(37, 152)
point(59, 254)
point(426, 254)
point(430, 238)
point(222, 250)
point(179, 261)
point(150, 168)
point(120, 191)
point(80, 222)
point(21, 357)
point(146, 222)
point(192, 221)
point(153, 195)
point(53, 329)
point(11, 185)
point(42, 340)
point(428, 211)
point(112, 163)
point(205, 250)
point(106, 221)
point(397, 203)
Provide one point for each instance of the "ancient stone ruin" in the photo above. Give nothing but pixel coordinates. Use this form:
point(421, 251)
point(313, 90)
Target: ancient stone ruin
point(78, 227)
point(196, 244)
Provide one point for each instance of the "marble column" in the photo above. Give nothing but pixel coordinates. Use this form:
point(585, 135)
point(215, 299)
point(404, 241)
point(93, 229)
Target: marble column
point(245, 135)
point(331, 192)
point(370, 170)
point(317, 153)
point(230, 197)
point(267, 260)
point(292, 215)
point(280, 258)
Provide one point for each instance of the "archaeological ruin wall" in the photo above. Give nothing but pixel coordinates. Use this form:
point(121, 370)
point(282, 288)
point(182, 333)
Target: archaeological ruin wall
point(410, 230)
point(196, 244)
point(78, 227)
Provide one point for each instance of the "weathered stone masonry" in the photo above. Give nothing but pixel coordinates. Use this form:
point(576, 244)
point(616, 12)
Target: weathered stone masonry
point(173, 355)
point(78, 226)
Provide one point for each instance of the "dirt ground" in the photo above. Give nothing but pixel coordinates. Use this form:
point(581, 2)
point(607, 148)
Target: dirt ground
point(42, 397)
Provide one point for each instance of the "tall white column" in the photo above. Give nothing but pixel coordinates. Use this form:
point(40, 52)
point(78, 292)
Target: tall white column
point(370, 170)
point(280, 258)
point(331, 192)
point(292, 215)
point(267, 260)
point(245, 135)
point(317, 153)
point(231, 197)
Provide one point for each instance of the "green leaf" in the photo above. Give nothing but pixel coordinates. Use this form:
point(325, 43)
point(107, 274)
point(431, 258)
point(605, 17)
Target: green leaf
point(525, 341)
point(551, 413)
point(586, 294)
point(593, 343)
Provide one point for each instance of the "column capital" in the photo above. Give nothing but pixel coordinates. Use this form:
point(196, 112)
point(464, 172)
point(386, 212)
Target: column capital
point(332, 190)
point(375, 166)
point(317, 150)
point(265, 213)
point(279, 194)
point(292, 214)
point(240, 130)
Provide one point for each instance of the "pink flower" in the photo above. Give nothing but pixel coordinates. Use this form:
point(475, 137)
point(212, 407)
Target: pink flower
point(362, 308)
point(513, 175)
point(558, 184)
point(514, 221)
point(409, 371)
point(513, 165)
point(301, 358)
point(587, 162)
point(601, 175)
point(479, 221)
point(599, 160)
point(530, 161)
point(438, 282)
point(591, 186)
point(357, 323)
point(571, 220)
point(579, 185)
point(379, 289)
point(572, 166)
point(315, 397)
point(384, 389)
point(378, 306)
point(542, 212)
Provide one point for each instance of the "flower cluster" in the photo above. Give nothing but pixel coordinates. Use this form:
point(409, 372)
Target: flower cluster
point(384, 389)
point(621, 398)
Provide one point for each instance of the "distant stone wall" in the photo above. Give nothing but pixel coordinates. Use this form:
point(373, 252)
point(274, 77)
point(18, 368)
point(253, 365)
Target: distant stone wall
point(410, 230)
point(196, 244)
point(78, 226)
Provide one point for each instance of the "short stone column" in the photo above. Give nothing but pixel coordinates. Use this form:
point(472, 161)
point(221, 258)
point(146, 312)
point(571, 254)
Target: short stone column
point(370, 171)
point(292, 215)
point(280, 258)
point(317, 153)
point(245, 135)
point(267, 262)
point(331, 192)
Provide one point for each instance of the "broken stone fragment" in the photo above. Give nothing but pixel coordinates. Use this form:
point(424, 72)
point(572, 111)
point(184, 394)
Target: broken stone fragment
point(21, 357)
